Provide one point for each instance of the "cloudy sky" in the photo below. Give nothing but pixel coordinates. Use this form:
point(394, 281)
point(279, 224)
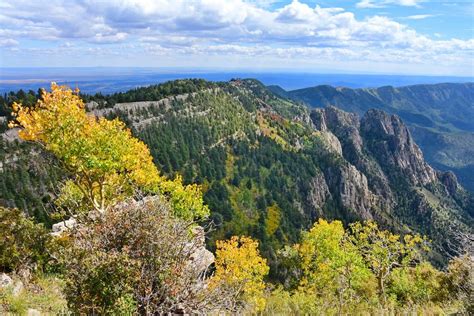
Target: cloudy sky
point(360, 36)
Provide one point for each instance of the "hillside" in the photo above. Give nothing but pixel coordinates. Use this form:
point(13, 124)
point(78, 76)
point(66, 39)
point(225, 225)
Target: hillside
point(269, 167)
point(440, 117)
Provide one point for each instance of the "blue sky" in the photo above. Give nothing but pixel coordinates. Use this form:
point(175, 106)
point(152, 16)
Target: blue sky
point(422, 37)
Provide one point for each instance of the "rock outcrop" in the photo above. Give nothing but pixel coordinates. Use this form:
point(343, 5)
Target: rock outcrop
point(450, 182)
point(391, 143)
point(5, 280)
point(383, 176)
point(201, 258)
point(319, 194)
point(352, 190)
point(346, 127)
point(14, 285)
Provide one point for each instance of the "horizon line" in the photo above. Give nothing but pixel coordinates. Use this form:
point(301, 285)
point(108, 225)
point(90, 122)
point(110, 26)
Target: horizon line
point(234, 70)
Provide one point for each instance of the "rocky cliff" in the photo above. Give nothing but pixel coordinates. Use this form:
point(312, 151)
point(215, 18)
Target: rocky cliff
point(440, 117)
point(386, 177)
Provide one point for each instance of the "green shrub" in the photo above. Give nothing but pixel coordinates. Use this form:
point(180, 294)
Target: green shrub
point(23, 243)
point(457, 284)
point(414, 285)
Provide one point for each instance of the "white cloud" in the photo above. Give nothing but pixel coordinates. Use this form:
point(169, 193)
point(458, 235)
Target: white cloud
point(365, 4)
point(107, 39)
point(231, 27)
point(8, 42)
point(419, 16)
point(408, 3)
point(181, 22)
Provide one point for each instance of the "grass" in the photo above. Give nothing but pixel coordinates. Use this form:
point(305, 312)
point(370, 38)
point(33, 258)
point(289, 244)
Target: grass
point(43, 294)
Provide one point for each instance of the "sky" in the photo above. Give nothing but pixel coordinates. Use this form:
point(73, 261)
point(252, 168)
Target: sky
point(417, 37)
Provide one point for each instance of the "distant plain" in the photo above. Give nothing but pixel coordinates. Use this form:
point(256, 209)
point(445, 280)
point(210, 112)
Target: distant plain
point(108, 80)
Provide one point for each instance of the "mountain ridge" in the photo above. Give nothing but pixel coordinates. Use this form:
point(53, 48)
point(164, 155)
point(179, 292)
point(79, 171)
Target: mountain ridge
point(269, 167)
point(440, 116)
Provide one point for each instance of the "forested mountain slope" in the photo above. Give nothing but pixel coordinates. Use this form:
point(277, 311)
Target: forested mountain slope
point(269, 167)
point(440, 117)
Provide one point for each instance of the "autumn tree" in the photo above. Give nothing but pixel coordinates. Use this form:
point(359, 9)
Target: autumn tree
point(332, 266)
point(384, 251)
point(105, 161)
point(240, 272)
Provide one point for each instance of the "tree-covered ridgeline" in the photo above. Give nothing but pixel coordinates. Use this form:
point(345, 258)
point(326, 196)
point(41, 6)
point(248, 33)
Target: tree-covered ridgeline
point(261, 164)
point(137, 247)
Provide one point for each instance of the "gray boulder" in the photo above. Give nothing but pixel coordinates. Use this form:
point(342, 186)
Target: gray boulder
point(5, 281)
point(59, 228)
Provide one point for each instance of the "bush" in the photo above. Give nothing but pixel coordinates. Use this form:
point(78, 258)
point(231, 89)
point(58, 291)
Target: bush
point(457, 284)
point(135, 258)
point(23, 243)
point(414, 285)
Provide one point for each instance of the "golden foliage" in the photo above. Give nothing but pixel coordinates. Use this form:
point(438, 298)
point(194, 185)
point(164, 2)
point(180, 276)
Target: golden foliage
point(272, 222)
point(331, 265)
point(240, 267)
point(384, 251)
point(106, 162)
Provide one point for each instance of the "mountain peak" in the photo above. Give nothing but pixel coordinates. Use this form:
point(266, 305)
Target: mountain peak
point(389, 138)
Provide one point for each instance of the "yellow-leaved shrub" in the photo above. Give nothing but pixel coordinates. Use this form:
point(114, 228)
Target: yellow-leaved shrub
point(240, 271)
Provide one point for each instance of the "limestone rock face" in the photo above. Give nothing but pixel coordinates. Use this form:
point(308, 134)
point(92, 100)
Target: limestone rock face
point(349, 182)
point(336, 126)
point(381, 174)
point(390, 141)
point(450, 182)
point(332, 142)
point(346, 128)
point(353, 191)
point(319, 193)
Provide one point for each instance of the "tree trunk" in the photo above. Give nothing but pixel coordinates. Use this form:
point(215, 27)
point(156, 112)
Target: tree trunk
point(381, 287)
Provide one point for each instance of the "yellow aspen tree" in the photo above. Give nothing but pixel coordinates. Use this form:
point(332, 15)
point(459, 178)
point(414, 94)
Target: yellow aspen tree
point(332, 267)
point(384, 251)
point(240, 272)
point(105, 162)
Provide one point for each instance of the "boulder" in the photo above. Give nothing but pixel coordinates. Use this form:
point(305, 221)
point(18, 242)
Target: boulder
point(201, 258)
point(5, 281)
point(17, 287)
point(59, 228)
